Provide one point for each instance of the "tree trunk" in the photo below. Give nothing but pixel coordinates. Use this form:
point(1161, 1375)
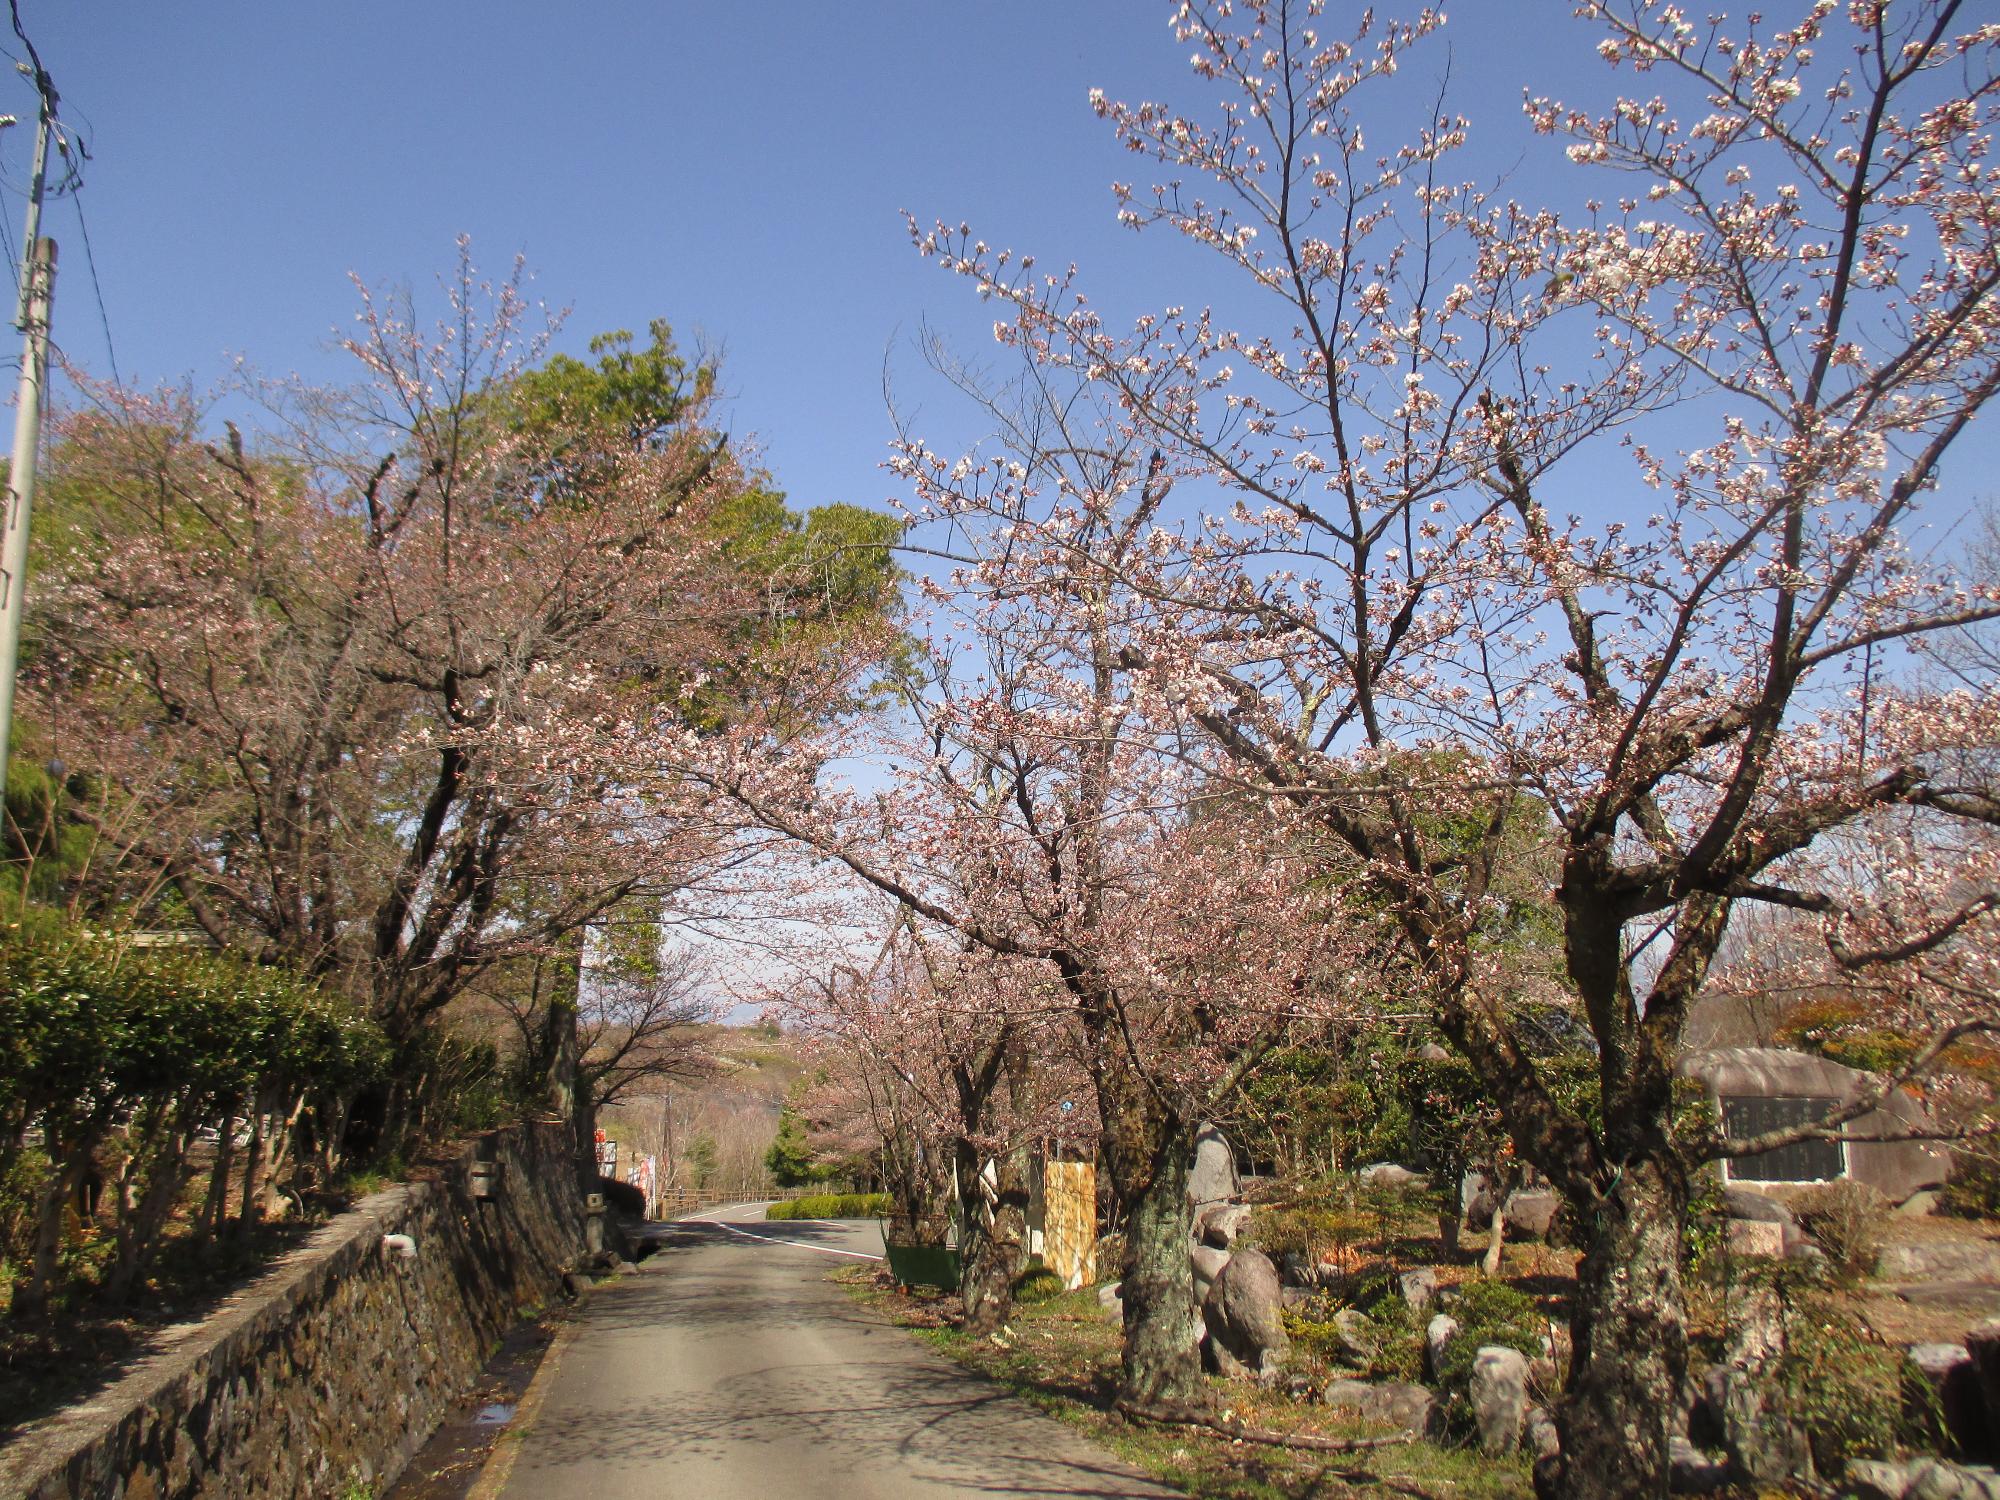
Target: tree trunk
point(31, 1301)
point(251, 1208)
point(141, 1223)
point(1630, 1340)
point(215, 1204)
point(1496, 1240)
point(1149, 1153)
point(996, 1236)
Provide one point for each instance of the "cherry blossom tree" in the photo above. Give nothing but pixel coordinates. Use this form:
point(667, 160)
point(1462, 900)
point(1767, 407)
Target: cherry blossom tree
point(1746, 367)
point(1039, 813)
point(958, 1058)
point(351, 674)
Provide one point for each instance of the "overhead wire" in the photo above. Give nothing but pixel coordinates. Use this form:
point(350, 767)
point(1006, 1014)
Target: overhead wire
point(72, 183)
point(7, 234)
point(73, 151)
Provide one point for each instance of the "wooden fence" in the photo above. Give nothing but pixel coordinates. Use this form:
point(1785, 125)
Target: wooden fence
point(676, 1203)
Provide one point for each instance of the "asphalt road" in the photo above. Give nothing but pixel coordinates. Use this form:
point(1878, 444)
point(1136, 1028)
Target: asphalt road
point(728, 1368)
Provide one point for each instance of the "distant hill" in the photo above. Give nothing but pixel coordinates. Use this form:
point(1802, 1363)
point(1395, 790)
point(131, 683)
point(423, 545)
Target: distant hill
point(714, 1131)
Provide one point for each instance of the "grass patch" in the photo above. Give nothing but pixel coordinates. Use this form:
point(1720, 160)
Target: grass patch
point(832, 1206)
point(1061, 1356)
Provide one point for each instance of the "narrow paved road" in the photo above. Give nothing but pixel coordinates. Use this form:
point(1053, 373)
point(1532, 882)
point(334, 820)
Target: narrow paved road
point(729, 1367)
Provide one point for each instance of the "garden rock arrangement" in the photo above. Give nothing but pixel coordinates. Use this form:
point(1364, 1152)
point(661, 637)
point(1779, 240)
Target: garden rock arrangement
point(1353, 1331)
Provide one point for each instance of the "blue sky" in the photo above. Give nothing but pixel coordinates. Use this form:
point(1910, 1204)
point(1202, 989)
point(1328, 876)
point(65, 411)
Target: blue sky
point(739, 169)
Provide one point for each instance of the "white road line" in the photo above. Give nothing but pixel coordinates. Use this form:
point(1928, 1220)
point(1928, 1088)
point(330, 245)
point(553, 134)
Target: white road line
point(772, 1239)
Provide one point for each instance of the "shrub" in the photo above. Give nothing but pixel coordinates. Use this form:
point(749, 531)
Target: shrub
point(1849, 1219)
point(832, 1206)
point(1312, 1335)
point(1973, 1189)
point(134, 1055)
point(1846, 1392)
point(1038, 1284)
point(1487, 1312)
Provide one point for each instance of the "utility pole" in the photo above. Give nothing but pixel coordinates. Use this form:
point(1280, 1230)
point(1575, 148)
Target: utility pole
point(38, 284)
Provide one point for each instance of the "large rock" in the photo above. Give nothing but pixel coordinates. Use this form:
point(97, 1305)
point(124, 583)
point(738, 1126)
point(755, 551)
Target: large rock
point(1360, 1340)
point(1531, 1212)
point(1755, 1239)
point(1391, 1403)
point(1246, 1333)
point(1982, 1343)
point(1747, 1203)
point(1221, 1224)
point(1499, 1393)
point(1959, 1259)
point(1917, 1479)
point(1212, 1179)
point(1763, 1445)
point(1386, 1174)
point(1953, 1381)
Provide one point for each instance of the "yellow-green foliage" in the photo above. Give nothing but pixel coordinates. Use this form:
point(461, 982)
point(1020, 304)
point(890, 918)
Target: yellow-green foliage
point(832, 1206)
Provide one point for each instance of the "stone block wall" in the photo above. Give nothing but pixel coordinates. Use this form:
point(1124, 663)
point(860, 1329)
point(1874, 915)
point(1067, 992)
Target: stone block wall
point(339, 1362)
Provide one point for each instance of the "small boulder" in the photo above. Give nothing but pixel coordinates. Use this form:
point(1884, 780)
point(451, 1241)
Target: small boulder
point(1220, 1224)
point(1480, 1201)
point(1419, 1288)
point(1917, 1479)
point(1924, 1201)
point(1242, 1314)
point(1763, 1444)
point(1499, 1393)
point(1111, 1298)
point(1391, 1403)
point(1207, 1263)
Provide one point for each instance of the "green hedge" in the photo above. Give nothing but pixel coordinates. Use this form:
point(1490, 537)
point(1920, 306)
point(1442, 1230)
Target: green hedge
point(116, 1061)
point(832, 1206)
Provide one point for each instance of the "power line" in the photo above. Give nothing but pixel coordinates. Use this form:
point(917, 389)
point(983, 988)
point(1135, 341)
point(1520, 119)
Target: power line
point(73, 182)
point(74, 153)
point(7, 234)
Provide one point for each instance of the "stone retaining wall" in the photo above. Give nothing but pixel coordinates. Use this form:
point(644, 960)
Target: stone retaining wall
point(338, 1363)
